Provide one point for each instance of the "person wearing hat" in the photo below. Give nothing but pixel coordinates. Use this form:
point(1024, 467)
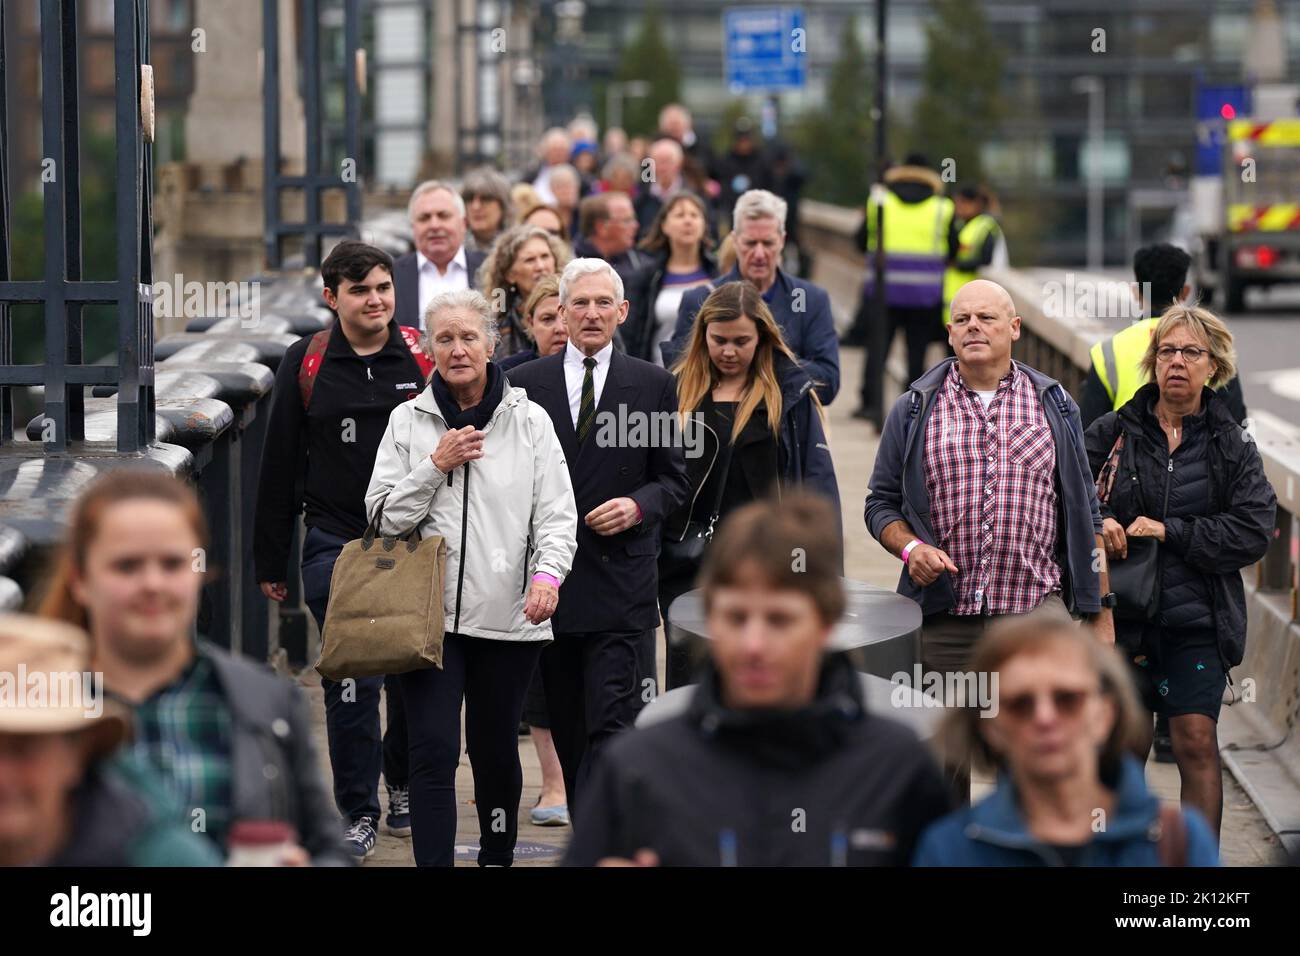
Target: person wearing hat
point(65, 800)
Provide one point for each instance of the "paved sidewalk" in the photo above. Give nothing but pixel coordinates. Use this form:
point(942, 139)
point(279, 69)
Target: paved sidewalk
point(1247, 840)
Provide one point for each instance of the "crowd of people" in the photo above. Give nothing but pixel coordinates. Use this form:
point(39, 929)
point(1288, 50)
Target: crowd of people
point(472, 391)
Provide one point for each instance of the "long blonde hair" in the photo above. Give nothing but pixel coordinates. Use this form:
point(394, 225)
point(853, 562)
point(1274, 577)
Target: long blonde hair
point(696, 375)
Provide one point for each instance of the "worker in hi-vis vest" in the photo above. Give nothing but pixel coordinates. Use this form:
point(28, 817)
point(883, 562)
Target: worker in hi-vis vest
point(920, 236)
point(1160, 274)
point(979, 243)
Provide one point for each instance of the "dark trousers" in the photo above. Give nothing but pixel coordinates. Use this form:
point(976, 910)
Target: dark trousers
point(352, 707)
point(491, 677)
point(594, 689)
point(947, 644)
point(920, 326)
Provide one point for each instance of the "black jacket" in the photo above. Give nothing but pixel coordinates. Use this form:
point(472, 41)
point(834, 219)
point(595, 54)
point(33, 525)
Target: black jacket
point(642, 289)
point(1232, 535)
point(613, 585)
point(793, 788)
point(803, 456)
point(406, 284)
point(324, 456)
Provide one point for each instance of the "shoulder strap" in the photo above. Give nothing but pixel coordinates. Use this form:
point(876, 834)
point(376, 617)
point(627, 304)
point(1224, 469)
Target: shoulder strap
point(311, 363)
point(411, 336)
point(1172, 845)
point(722, 486)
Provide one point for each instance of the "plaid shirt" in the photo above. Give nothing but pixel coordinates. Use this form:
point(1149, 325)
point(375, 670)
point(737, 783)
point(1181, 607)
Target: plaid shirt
point(991, 478)
point(184, 731)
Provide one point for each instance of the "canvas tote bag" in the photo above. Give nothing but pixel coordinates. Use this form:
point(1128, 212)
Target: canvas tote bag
point(385, 606)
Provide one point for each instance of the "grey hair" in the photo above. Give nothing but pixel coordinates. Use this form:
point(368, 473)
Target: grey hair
point(486, 181)
point(470, 300)
point(430, 185)
point(578, 268)
point(623, 161)
point(759, 204)
point(564, 169)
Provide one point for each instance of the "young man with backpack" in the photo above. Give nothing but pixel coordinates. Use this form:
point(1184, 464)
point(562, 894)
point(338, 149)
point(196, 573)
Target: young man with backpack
point(333, 394)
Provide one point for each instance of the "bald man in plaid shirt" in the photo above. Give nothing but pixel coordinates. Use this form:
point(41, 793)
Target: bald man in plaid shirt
point(982, 488)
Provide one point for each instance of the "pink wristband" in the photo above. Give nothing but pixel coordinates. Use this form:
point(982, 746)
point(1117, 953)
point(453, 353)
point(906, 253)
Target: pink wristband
point(550, 579)
point(907, 551)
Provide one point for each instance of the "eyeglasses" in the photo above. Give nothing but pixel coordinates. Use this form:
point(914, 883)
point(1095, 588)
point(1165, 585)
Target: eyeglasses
point(1191, 353)
point(1066, 702)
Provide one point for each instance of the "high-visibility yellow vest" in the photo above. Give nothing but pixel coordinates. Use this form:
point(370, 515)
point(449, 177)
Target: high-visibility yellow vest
point(1118, 359)
point(916, 248)
point(971, 236)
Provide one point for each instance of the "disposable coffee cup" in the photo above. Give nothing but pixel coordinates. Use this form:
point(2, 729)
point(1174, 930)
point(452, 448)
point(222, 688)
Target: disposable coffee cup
point(259, 842)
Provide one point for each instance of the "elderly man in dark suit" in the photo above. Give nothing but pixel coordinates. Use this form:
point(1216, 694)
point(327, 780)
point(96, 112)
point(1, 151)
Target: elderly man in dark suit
point(440, 262)
point(598, 673)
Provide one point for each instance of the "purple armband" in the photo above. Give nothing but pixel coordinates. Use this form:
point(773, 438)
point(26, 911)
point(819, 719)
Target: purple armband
point(545, 578)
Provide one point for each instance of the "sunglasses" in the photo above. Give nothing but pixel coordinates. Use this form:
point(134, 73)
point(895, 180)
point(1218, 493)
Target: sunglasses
point(1065, 702)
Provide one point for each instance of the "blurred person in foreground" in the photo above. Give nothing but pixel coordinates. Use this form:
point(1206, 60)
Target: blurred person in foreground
point(232, 740)
point(1069, 792)
point(775, 716)
point(67, 796)
point(1173, 465)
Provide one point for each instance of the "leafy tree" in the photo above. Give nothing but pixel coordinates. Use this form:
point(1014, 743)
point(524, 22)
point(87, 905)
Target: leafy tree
point(836, 141)
point(960, 102)
point(98, 248)
point(649, 58)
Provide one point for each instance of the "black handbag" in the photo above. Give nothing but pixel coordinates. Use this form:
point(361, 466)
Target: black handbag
point(688, 550)
point(1135, 579)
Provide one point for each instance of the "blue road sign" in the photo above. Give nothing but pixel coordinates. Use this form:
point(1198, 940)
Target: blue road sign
point(765, 49)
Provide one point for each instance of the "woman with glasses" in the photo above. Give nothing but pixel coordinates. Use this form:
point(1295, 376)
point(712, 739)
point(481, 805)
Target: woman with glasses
point(488, 209)
point(1174, 466)
point(1059, 732)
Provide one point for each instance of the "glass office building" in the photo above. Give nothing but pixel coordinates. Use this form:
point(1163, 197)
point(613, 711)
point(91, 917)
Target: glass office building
point(1158, 53)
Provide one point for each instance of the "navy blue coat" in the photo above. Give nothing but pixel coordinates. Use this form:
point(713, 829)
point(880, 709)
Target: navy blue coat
point(801, 309)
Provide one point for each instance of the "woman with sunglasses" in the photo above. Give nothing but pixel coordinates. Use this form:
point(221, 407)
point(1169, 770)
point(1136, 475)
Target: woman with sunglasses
point(1059, 733)
point(1182, 487)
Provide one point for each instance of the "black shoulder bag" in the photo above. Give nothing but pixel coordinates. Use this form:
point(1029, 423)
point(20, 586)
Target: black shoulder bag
point(1135, 580)
point(689, 549)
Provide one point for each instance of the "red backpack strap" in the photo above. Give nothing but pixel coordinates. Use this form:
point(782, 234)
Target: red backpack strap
point(411, 336)
point(1172, 845)
point(311, 363)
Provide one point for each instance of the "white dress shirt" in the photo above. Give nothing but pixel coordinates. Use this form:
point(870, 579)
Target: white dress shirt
point(575, 372)
point(433, 282)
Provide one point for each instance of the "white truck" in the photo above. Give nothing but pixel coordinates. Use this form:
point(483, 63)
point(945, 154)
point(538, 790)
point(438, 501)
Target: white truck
point(1247, 219)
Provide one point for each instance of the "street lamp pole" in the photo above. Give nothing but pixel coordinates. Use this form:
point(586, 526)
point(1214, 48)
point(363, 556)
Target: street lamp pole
point(876, 339)
point(1093, 87)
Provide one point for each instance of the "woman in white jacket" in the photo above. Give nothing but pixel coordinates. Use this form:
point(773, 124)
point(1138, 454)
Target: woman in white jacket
point(471, 459)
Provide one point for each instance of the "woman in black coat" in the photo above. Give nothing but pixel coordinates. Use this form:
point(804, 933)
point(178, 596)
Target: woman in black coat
point(1174, 466)
point(678, 239)
point(755, 428)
